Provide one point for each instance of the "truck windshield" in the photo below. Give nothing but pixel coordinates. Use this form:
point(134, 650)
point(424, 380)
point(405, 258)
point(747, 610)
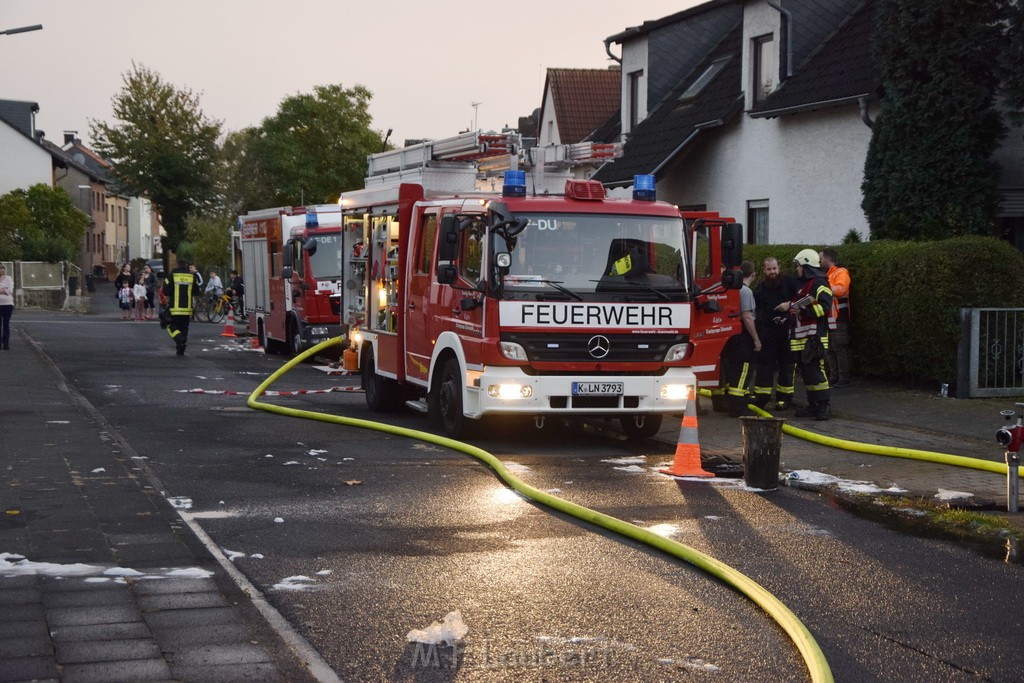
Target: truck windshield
point(589, 253)
point(326, 262)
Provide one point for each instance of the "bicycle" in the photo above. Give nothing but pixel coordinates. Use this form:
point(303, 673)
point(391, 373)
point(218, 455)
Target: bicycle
point(216, 308)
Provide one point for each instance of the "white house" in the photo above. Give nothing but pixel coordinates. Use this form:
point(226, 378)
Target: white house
point(761, 110)
point(23, 162)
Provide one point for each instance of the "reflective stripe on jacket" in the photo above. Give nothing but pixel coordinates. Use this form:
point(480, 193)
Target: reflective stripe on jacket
point(178, 289)
point(813, 319)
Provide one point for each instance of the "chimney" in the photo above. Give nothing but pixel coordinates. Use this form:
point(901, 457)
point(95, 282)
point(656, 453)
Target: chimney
point(71, 136)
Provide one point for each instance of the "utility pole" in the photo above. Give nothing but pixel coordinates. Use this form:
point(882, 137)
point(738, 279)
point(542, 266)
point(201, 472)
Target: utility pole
point(475, 105)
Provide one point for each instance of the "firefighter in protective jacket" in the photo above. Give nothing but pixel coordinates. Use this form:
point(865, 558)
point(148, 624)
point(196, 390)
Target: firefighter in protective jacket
point(809, 313)
point(177, 289)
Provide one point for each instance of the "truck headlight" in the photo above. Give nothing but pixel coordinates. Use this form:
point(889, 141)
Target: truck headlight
point(509, 392)
point(318, 331)
point(677, 352)
point(512, 351)
point(675, 392)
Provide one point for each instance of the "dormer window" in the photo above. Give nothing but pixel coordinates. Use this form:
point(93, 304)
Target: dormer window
point(762, 72)
point(706, 77)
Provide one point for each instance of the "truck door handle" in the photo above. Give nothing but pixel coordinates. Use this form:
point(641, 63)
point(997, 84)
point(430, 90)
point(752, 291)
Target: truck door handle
point(412, 305)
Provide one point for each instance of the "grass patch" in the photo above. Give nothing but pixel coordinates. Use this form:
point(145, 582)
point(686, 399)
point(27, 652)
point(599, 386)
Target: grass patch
point(963, 523)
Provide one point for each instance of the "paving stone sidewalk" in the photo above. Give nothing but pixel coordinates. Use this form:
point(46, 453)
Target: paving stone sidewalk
point(78, 510)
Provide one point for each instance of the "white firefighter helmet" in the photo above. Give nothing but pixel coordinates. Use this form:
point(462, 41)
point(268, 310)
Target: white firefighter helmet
point(807, 257)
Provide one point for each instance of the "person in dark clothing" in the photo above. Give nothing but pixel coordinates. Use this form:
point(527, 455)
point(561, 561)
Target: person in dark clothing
point(177, 289)
point(124, 279)
point(237, 286)
point(775, 357)
point(236, 289)
point(809, 313)
point(149, 281)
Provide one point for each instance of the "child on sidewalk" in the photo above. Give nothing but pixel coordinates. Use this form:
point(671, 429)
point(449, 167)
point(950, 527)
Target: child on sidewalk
point(125, 300)
point(139, 290)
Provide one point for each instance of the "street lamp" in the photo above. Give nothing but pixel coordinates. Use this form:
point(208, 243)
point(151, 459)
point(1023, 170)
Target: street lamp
point(22, 29)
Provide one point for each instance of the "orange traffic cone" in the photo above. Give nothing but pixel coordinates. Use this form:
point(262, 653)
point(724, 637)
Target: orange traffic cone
point(255, 342)
point(229, 324)
point(687, 460)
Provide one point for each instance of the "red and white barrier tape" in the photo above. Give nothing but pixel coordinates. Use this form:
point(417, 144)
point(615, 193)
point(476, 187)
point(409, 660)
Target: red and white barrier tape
point(298, 392)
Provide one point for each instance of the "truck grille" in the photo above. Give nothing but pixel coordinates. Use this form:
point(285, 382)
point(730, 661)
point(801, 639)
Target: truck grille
point(574, 348)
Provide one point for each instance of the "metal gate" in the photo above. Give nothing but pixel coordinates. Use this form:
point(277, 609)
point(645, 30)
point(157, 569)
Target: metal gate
point(990, 361)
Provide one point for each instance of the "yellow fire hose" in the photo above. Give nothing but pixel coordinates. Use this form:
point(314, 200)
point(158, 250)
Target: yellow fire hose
point(890, 451)
point(810, 651)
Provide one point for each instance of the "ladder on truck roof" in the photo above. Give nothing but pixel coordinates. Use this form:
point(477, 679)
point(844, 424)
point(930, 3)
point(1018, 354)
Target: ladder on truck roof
point(471, 146)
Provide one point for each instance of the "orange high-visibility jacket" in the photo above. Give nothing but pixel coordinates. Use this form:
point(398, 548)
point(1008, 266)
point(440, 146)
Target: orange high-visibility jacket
point(839, 283)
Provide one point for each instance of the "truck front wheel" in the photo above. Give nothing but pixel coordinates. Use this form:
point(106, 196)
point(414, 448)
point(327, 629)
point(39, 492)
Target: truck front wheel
point(381, 392)
point(447, 400)
point(294, 336)
point(651, 426)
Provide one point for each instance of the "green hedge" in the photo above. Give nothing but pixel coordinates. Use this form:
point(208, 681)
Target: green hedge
point(906, 297)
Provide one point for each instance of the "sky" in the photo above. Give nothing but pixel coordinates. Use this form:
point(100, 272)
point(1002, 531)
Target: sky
point(426, 63)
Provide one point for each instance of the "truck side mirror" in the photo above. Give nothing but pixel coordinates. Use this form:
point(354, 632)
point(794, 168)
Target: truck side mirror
point(448, 241)
point(446, 272)
point(732, 245)
point(732, 279)
point(310, 246)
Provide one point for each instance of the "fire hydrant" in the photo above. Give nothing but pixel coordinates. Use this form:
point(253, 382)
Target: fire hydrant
point(1011, 437)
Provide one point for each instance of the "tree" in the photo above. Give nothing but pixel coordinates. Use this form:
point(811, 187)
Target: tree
point(929, 172)
point(313, 149)
point(162, 147)
point(40, 224)
point(209, 239)
point(14, 218)
point(1011, 74)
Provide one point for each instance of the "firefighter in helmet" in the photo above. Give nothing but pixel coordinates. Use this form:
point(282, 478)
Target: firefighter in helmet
point(809, 312)
point(177, 289)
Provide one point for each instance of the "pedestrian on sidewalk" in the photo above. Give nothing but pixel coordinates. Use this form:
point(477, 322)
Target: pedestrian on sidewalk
point(838, 339)
point(126, 300)
point(6, 307)
point(125, 276)
point(149, 280)
point(139, 292)
point(178, 289)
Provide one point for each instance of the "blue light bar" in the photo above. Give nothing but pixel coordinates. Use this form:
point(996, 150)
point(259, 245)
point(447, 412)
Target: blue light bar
point(514, 184)
point(311, 220)
point(643, 188)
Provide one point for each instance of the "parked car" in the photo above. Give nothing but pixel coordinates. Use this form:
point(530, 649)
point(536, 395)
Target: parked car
point(157, 265)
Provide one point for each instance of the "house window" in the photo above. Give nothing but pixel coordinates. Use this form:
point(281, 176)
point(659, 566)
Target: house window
point(757, 221)
point(634, 98)
point(690, 94)
point(764, 81)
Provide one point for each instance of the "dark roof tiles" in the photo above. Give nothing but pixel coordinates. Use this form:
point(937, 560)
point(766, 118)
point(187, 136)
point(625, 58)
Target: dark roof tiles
point(662, 134)
point(842, 68)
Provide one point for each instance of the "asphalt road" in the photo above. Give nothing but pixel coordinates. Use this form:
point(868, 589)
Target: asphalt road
point(395, 534)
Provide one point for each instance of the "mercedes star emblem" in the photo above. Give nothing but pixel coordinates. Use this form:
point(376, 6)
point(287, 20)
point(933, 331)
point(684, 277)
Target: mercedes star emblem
point(599, 346)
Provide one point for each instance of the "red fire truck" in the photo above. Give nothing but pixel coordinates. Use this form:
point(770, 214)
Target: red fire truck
point(291, 260)
point(568, 305)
